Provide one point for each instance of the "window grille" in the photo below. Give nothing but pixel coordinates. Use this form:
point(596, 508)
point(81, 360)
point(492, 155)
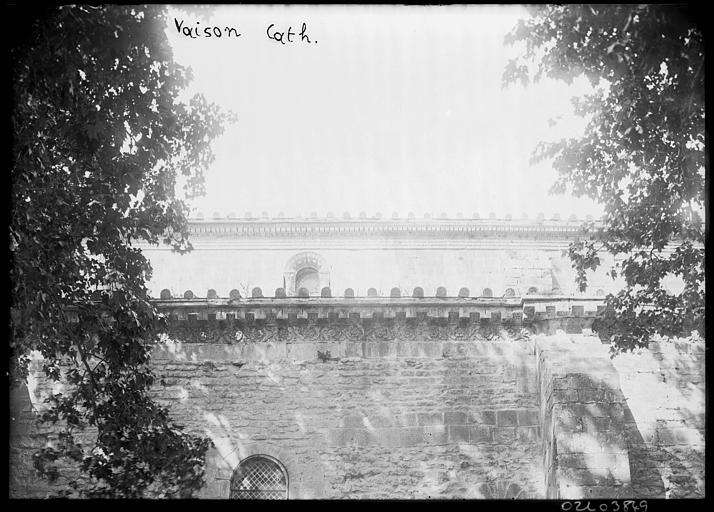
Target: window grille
point(259, 478)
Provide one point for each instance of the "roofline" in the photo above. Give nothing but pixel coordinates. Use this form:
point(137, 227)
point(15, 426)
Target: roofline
point(292, 310)
point(429, 227)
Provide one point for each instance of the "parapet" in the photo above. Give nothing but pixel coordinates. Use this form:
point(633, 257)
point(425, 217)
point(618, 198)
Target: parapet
point(440, 293)
point(198, 216)
point(263, 226)
point(510, 311)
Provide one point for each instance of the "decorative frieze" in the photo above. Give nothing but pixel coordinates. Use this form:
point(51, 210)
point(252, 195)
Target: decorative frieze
point(395, 319)
point(394, 228)
point(312, 331)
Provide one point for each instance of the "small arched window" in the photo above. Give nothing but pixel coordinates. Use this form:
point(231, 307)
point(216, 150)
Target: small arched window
point(259, 477)
point(306, 270)
point(509, 293)
point(487, 292)
point(309, 279)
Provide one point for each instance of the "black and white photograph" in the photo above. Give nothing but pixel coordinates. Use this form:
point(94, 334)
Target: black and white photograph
point(358, 252)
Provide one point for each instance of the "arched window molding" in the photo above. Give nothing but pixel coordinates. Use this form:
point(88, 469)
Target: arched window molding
point(306, 264)
point(308, 278)
point(260, 477)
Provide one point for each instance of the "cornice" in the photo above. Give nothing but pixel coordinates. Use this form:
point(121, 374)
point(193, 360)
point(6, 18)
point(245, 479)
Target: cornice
point(267, 321)
point(378, 228)
point(369, 307)
point(366, 243)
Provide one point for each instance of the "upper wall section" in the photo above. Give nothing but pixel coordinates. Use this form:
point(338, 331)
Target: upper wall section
point(373, 256)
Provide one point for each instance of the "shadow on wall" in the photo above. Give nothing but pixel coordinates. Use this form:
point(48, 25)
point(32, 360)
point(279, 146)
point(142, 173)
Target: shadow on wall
point(26, 436)
point(586, 452)
point(433, 422)
point(633, 430)
point(233, 445)
point(664, 387)
point(380, 426)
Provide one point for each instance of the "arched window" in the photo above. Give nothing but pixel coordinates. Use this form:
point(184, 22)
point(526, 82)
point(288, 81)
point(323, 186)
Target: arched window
point(259, 477)
point(306, 270)
point(487, 292)
point(502, 490)
point(309, 279)
point(509, 293)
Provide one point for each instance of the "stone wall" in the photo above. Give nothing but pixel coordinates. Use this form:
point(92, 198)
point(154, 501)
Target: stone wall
point(377, 420)
point(26, 436)
point(585, 451)
point(362, 269)
point(665, 392)
point(632, 426)
point(380, 254)
point(447, 410)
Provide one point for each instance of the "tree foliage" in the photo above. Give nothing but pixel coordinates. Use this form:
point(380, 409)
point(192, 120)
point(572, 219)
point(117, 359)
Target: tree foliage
point(99, 140)
point(641, 156)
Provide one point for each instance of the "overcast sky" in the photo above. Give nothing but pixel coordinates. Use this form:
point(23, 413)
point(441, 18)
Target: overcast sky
point(387, 109)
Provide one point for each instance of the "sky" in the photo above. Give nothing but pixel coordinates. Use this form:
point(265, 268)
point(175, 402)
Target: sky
point(387, 109)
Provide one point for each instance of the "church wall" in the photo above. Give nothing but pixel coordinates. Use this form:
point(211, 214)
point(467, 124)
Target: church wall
point(380, 420)
point(540, 416)
point(665, 391)
point(382, 269)
point(630, 427)
point(26, 436)
point(467, 406)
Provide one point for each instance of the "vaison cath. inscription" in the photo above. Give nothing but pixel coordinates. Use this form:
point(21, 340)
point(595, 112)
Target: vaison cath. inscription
point(273, 33)
point(286, 37)
point(205, 31)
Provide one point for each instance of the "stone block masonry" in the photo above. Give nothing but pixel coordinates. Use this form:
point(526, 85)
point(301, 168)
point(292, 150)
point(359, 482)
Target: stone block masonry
point(584, 443)
point(665, 392)
point(381, 426)
point(424, 408)
point(632, 426)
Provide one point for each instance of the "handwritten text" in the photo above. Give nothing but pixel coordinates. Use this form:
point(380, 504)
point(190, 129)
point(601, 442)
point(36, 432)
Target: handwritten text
point(285, 37)
point(604, 506)
point(198, 31)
